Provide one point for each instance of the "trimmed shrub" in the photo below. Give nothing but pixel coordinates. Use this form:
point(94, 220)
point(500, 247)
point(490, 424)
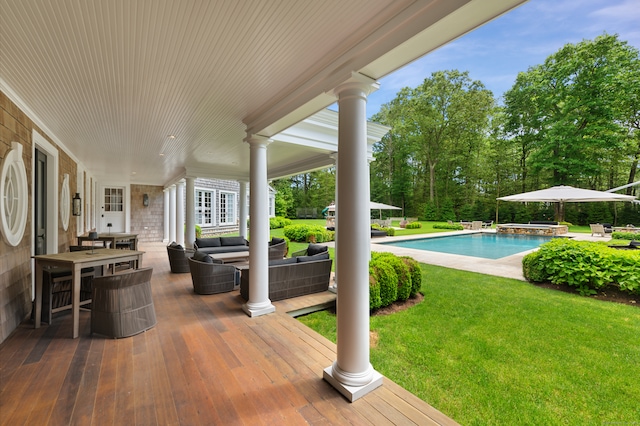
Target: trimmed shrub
point(308, 233)
point(416, 274)
point(198, 231)
point(413, 225)
point(383, 284)
point(279, 222)
point(454, 226)
point(588, 266)
point(403, 282)
point(533, 269)
point(625, 236)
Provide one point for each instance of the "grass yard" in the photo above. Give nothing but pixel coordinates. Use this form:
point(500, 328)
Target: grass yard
point(495, 351)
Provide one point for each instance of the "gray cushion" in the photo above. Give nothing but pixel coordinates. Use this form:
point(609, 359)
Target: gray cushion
point(285, 261)
point(208, 242)
point(313, 258)
point(314, 249)
point(275, 241)
point(232, 241)
point(201, 256)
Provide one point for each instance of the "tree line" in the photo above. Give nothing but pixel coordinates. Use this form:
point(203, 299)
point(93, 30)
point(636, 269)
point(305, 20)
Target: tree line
point(453, 148)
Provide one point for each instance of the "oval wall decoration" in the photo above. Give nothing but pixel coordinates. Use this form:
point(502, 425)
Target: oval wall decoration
point(65, 202)
point(14, 196)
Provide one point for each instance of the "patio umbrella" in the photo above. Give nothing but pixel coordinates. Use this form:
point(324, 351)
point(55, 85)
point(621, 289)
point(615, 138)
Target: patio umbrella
point(372, 205)
point(566, 194)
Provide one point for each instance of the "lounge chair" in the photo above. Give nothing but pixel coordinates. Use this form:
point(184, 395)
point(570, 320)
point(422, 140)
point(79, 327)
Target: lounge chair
point(210, 276)
point(487, 224)
point(177, 258)
point(597, 229)
point(277, 248)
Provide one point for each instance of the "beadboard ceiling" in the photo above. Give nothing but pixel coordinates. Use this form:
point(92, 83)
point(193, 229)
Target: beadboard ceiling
point(111, 80)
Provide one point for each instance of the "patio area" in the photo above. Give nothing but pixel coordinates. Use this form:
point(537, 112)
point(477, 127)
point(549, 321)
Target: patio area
point(205, 362)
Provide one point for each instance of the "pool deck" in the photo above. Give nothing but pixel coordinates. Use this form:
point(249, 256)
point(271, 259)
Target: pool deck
point(509, 267)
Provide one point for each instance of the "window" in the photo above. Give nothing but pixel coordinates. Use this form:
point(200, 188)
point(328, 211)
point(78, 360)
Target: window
point(113, 199)
point(204, 207)
point(227, 208)
point(14, 195)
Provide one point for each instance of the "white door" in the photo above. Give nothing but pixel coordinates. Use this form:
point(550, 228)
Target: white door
point(112, 209)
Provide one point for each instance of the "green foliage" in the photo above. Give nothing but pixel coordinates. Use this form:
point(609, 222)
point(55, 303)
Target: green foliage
point(308, 233)
point(413, 225)
point(198, 231)
point(588, 266)
point(374, 287)
point(415, 272)
point(453, 226)
point(625, 236)
point(386, 279)
point(533, 269)
point(403, 273)
point(279, 222)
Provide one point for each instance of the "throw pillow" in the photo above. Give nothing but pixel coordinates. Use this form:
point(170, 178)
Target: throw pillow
point(314, 249)
point(201, 256)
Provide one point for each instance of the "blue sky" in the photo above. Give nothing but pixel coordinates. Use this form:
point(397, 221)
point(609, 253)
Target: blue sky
point(496, 52)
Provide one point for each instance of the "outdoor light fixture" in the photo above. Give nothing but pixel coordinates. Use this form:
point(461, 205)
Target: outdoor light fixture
point(145, 200)
point(77, 204)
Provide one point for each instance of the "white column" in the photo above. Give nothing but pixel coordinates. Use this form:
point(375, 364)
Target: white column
point(259, 303)
point(243, 210)
point(180, 213)
point(165, 236)
point(172, 213)
point(352, 373)
point(190, 213)
point(333, 287)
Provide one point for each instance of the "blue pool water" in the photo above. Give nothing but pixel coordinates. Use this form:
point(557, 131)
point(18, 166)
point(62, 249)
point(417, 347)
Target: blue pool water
point(488, 246)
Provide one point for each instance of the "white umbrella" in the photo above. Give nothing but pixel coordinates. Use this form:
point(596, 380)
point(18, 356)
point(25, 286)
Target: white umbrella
point(566, 194)
point(373, 206)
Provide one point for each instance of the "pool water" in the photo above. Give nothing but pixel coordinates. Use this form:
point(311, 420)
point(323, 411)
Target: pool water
point(488, 246)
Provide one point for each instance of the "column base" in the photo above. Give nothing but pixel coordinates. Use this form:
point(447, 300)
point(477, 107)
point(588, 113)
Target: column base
point(256, 311)
point(352, 392)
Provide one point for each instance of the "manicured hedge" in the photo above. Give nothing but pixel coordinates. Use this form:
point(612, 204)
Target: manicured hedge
point(308, 233)
point(625, 236)
point(588, 266)
point(392, 278)
point(413, 225)
point(279, 222)
point(453, 226)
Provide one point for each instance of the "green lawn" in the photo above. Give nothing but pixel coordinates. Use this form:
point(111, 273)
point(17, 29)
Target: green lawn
point(488, 350)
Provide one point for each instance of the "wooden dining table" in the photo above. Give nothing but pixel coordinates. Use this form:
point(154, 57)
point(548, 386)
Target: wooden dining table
point(76, 261)
point(112, 238)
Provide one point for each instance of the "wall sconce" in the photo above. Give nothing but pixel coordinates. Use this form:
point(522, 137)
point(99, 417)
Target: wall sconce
point(77, 205)
point(145, 200)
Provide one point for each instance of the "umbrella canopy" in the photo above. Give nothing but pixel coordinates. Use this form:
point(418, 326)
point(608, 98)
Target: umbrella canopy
point(372, 205)
point(569, 194)
point(566, 194)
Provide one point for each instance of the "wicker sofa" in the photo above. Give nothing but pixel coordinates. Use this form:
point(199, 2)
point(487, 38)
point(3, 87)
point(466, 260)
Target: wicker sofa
point(293, 277)
point(221, 245)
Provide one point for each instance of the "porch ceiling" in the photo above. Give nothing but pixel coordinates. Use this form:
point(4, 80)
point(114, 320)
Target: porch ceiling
point(111, 80)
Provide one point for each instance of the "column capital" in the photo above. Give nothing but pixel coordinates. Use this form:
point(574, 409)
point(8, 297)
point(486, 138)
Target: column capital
point(257, 140)
point(357, 83)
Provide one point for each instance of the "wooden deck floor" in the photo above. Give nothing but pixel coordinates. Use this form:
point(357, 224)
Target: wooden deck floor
point(205, 363)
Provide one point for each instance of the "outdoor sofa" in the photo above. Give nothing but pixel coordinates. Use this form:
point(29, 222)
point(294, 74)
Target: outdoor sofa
point(221, 245)
point(294, 276)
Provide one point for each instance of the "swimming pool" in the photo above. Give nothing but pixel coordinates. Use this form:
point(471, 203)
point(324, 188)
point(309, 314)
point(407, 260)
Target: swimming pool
point(485, 245)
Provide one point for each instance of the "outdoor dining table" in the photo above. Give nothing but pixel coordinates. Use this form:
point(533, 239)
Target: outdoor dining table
point(75, 261)
point(112, 238)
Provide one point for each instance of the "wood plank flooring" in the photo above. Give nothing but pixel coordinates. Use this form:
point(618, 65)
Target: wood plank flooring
point(205, 363)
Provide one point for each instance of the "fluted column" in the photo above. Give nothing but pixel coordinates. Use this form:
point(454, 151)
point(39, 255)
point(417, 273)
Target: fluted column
point(165, 236)
point(190, 234)
point(259, 303)
point(352, 373)
point(172, 213)
point(243, 210)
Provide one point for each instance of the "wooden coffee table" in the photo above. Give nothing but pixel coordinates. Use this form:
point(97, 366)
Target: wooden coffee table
point(232, 257)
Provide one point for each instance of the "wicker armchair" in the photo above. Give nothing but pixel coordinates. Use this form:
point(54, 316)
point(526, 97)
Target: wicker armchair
point(177, 259)
point(122, 304)
point(211, 278)
point(277, 248)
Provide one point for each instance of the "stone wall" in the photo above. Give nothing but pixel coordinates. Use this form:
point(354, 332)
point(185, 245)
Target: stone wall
point(147, 222)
